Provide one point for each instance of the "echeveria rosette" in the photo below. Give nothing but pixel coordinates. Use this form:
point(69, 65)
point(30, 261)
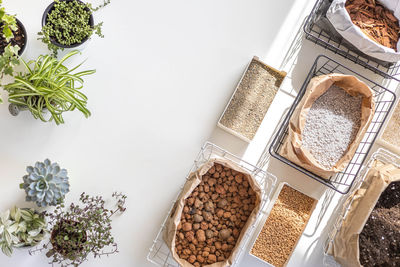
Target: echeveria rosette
point(46, 183)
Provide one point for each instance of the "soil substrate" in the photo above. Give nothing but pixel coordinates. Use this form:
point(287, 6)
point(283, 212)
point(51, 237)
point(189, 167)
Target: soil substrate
point(379, 240)
point(19, 39)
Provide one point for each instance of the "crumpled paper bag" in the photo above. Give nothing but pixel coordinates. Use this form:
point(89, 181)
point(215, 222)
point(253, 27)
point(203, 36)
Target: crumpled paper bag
point(292, 147)
point(345, 247)
point(194, 180)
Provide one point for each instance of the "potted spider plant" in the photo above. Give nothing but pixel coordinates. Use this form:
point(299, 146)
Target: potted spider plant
point(82, 230)
point(13, 40)
point(69, 24)
point(47, 86)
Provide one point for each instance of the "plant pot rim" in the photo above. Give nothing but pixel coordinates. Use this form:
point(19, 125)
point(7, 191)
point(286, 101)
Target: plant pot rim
point(21, 108)
point(22, 28)
point(52, 40)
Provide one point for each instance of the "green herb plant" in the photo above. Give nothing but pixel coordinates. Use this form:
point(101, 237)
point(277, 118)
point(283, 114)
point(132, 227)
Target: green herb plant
point(9, 58)
point(48, 85)
point(20, 228)
point(8, 24)
point(82, 230)
point(68, 24)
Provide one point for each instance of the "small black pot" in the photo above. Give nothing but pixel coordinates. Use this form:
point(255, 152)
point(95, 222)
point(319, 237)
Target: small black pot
point(25, 36)
point(49, 9)
point(22, 28)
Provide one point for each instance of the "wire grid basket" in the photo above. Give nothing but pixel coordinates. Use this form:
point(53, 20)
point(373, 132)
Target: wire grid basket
point(160, 254)
point(344, 204)
point(319, 30)
point(384, 99)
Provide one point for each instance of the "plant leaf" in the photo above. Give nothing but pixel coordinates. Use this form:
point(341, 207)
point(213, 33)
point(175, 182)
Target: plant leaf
point(7, 250)
point(12, 228)
point(26, 215)
point(5, 216)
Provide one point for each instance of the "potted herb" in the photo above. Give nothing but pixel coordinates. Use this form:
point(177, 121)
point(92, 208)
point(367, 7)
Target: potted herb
point(13, 39)
point(21, 228)
point(82, 230)
point(48, 85)
point(68, 24)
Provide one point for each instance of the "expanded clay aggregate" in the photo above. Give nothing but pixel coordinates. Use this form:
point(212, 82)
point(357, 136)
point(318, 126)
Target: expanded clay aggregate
point(284, 226)
point(214, 216)
point(331, 125)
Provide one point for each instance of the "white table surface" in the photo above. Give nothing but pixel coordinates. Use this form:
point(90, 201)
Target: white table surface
point(165, 71)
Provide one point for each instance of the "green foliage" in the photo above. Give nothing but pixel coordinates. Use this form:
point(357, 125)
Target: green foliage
point(68, 24)
point(21, 227)
point(9, 59)
point(105, 3)
point(82, 230)
point(48, 85)
point(8, 24)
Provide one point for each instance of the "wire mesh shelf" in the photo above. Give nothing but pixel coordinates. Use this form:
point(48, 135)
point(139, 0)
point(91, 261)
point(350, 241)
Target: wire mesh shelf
point(160, 254)
point(344, 204)
point(319, 30)
point(384, 99)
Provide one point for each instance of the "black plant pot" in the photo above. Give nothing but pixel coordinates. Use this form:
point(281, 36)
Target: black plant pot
point(21, 27)
point(25, 36)
point(49, 9)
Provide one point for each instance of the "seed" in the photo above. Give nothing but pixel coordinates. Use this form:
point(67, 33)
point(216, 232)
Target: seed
point(198, 218)
point(252, 99)
point(225, 234)
point(222, 203)
point(207, 218)
point(187, 227)
point(392, 133)
point(278, 236)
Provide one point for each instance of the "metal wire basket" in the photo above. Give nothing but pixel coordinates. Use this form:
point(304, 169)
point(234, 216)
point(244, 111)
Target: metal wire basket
point(343, 206)
point(384, 99)
point(160, 254)
point(319, 30)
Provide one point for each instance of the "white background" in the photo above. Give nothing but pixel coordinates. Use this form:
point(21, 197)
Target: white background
point(165, 71)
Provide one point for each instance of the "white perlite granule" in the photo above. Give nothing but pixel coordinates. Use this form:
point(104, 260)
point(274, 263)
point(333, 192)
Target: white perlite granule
point(331, 125)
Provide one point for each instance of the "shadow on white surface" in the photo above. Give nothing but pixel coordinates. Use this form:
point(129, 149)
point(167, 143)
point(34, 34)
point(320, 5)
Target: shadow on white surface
point(224, 139)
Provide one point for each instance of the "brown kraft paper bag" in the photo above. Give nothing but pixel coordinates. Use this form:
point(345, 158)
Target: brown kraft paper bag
point(292, 148)
point(345, 247)
point(192, 182)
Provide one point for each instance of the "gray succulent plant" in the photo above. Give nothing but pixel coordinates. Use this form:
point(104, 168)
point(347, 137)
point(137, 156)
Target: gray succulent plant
point(46, 183)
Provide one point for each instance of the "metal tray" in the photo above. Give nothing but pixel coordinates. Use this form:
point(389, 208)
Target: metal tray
point(381, 141)
point(319, 30)
point(229, 130)
point(343, 206)
point(384, 99)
